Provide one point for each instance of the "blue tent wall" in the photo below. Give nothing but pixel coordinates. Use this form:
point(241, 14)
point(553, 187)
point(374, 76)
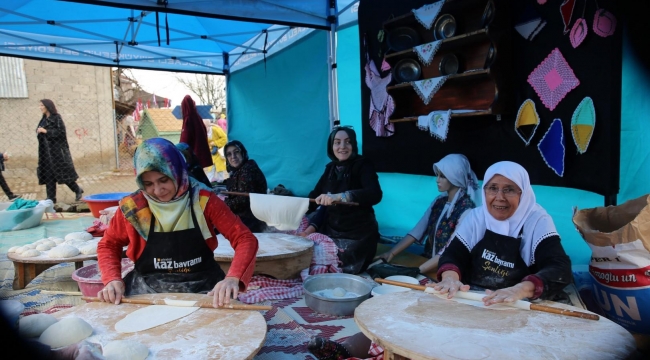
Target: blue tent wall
point(280, 113)
point(406, 197)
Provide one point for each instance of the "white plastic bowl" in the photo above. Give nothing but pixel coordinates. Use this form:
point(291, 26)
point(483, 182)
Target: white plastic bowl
point(387, 289)
point(20, 219)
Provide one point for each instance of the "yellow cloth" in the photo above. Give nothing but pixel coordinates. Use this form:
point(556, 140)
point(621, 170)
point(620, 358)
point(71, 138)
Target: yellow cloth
point(219, 139)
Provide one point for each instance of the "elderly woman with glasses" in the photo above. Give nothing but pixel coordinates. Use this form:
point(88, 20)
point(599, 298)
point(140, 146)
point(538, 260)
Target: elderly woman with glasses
point(508, 246)
point(349, 177)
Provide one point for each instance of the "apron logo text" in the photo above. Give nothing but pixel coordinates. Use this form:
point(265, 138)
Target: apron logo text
point(166, 264)
point(490, 256)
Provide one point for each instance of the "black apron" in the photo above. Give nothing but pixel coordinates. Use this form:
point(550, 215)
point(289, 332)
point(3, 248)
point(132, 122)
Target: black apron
point(174, 262)
point(497, 262)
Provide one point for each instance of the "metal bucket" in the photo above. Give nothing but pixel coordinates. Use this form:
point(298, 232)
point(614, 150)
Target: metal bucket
point(333, 306)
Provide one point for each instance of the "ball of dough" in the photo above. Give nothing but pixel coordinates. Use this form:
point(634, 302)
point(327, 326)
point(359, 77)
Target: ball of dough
point(43, 247)
point(13, 249)
point(339, 292)
point(125, 349)
point(34, 325)
point(90, 249)
point(31, 246)
point(66, 332)
point(21, 250)
point(57, 240)
point(79, 235)
point(30, 253)
point(63, 251)
point(49, 243)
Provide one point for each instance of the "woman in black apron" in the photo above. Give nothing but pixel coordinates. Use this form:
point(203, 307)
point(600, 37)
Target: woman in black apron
point(168, 226)
point(509, 245)
point(349, 177)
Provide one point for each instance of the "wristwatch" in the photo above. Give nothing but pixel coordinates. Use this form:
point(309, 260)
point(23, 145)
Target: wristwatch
point(343, 197)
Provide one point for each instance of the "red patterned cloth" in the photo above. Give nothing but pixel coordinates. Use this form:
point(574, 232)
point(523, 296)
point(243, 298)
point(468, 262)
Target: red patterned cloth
point(264, 288)
point(97, 228)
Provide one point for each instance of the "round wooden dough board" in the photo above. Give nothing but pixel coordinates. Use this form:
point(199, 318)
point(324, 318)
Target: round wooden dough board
point(280, 255)
point(422, 326)
point(204, 334)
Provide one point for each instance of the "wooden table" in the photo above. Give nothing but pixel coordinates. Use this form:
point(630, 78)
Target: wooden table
point(27, 269)
point(421, 326)
point(205, 334)
point(279, 255)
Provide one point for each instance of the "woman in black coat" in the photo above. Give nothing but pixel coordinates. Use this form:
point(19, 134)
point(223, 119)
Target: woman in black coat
point(348, 177)
point(54, 159)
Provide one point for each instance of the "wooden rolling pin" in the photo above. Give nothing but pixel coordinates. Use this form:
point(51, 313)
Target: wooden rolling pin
point(310, 200)
point(187, 303)
point(519, 304)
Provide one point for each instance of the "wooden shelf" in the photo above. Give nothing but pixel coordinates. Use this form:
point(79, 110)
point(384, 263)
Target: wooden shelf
point(453, 115)
point(465, 75)
point(456, 41)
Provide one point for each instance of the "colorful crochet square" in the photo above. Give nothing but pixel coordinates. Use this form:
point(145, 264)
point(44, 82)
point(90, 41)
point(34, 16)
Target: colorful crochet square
point(583, 124)
point(527, 121)
point(552, 147)
point(553, 79)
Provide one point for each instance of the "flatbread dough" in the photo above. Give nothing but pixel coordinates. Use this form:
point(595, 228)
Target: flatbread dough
point(34, 325)
point(474, 299)
point(65, 332)
point(283, 212)
point(63, 251)
point(90, 249)
point(151, 316)
point(125, 350)
point(79, 235)
point(30, 253)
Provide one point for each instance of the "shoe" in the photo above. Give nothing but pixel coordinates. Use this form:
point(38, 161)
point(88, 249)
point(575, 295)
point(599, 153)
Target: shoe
point(13, 197)
point(324, 349)
point(79, 194)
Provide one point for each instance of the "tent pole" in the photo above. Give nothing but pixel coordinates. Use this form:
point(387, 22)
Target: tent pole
point(332, 79)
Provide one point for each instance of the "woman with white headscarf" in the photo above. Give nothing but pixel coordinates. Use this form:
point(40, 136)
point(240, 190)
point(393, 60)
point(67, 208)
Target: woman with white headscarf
point(509, 245)
point(459, 192)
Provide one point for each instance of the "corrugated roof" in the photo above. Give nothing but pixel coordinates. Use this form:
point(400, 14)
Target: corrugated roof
point(203, 110)
point(164, 120)
point(13, 82)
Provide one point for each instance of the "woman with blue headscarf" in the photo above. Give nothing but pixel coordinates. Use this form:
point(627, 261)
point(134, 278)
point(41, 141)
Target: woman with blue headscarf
point(168, 227)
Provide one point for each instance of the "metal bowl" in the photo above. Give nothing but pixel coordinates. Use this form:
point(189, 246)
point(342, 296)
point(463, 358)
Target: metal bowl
point(336, 306)
point(407, 70)
point(449, 65)
point(403, 38)
point(445, 27)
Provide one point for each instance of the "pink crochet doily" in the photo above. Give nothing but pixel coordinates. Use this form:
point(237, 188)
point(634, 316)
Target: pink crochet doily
point(553, 79)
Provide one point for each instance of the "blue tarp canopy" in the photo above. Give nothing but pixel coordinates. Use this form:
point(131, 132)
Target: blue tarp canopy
point(174, 35)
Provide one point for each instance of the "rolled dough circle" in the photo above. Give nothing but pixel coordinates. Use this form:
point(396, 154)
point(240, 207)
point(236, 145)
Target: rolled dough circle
point(125, 349)
point(63, 251)
point(79, 235)
point(13, 249)
point(338, 292)
point(31, 253)
point(66, 332)
point(34, 325)
point(43, 247)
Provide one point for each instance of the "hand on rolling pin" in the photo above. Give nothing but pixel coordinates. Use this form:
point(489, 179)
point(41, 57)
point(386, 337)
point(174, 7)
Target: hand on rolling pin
point(112, 292)
point(225, 290)
point(511, 294)
point(450, 284)
point(308, 231)
point(328, 199)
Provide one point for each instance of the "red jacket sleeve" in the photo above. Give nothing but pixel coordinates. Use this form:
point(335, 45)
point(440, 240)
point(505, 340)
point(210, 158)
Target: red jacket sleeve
point(241, 238)
point(120, 233)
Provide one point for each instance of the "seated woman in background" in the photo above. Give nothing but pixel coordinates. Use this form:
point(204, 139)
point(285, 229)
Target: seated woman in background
point(349, 177)
point(458, 185)
point(245, 176)
point(169, 220)
point(508, 246)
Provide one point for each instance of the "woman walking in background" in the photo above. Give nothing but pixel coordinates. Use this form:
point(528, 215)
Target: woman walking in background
point(54, 159)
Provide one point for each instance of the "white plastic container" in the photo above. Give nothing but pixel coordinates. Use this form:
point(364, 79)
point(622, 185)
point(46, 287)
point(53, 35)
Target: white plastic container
point(20, 219)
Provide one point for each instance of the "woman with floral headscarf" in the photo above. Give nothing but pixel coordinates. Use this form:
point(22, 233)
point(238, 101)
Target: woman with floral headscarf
point(245, 176)
point(168, 227)
point(458, 186)
point(348, 177)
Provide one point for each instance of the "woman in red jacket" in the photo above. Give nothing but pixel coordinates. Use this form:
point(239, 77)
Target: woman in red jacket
point(168, 227)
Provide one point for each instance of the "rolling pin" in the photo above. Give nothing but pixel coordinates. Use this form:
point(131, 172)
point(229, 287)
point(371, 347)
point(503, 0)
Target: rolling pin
point(310, 200)
point(519, 304)
point(186, 303)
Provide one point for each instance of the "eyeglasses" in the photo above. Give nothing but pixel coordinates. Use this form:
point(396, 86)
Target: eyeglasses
point(506, 191)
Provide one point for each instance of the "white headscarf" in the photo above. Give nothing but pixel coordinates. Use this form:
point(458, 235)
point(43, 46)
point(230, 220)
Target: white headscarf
point(455, 167)
point(536, 223)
